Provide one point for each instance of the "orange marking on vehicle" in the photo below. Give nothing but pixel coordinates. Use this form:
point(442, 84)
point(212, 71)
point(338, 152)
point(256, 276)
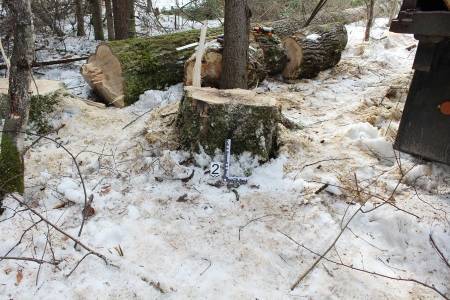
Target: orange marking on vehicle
point(445, 108)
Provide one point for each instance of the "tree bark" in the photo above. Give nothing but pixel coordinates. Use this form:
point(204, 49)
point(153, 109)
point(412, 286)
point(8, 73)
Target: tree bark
point(109, 20)
point(287, 27)
point(121, 15)
point(314, 49)
point(131, 20)
point(370, 9)
point(207, 117)
point(97, 21)
point(149, 6)
point(79, 14)
point(12, 142)
point(235, 52)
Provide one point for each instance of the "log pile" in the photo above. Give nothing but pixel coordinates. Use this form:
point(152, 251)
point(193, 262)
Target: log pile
point(120, 71)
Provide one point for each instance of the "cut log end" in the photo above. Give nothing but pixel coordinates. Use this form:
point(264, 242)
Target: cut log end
point(314, 49)
point(103, 73)
point(208, 116)
point(210, 71)
point(294, 53)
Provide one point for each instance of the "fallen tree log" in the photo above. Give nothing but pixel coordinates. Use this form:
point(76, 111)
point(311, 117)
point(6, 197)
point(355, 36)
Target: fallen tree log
point(120, 71)
point(207, 117)
point(266, 56)
point(287, 27)
point(314, 49)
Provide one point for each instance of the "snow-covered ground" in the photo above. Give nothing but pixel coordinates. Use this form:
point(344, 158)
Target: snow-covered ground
point(199, 240)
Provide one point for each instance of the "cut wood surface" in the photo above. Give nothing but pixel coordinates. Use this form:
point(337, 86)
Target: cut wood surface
point(211, 68)
point(314, 49)
point(120, 71)
point(208, 116)
point(266, 56)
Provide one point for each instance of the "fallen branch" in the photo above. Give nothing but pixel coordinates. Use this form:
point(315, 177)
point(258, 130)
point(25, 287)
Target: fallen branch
point(38, 64)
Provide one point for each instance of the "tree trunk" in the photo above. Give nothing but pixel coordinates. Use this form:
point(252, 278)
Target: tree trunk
point(109, 20)
point(121, 15)
point(370, 8)
point(97, 21)
point(207, 117)
point(266, 55)
point(131, 20)
point(149, 6)
point(12, 142)
point(314, 49)
point(79, 14)
point(235, 56)
point(120, 71)
point(287, 27)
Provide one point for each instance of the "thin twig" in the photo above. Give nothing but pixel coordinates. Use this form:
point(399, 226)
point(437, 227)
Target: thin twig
point(439, 251)
point(38, 261)
point(241, 228)
point(78, 242)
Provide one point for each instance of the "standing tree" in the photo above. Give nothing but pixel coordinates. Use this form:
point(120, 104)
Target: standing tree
point(12, 142)
point(109, 20)
point(235, 50)
point(121, 15)
point(96, 8)
point(132, 19)
point(370, 12)
point(79, 14)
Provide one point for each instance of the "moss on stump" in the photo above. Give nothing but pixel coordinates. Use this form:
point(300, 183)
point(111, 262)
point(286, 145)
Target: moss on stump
point(11, 168)
point(207, 117)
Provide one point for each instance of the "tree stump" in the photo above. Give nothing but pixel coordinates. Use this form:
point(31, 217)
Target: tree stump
point(207, 117)
point(314, 49)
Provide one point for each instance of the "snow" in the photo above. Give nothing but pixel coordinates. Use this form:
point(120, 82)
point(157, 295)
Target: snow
point(198, 240)
point(313, 37)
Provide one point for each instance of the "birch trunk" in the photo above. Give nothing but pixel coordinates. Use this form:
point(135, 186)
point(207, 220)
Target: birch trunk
point(11, 154)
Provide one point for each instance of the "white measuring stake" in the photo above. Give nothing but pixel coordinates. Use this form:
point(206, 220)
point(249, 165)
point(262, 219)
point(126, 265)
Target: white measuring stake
point(226, 175)
point(197, 76)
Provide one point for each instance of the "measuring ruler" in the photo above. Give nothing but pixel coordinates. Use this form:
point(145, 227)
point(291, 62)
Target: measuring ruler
point(226, 174)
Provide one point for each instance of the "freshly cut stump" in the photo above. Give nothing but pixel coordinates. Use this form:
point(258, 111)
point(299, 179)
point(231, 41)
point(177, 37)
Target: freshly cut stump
point(120, 71)
point(314, 49)
point(208, 116)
